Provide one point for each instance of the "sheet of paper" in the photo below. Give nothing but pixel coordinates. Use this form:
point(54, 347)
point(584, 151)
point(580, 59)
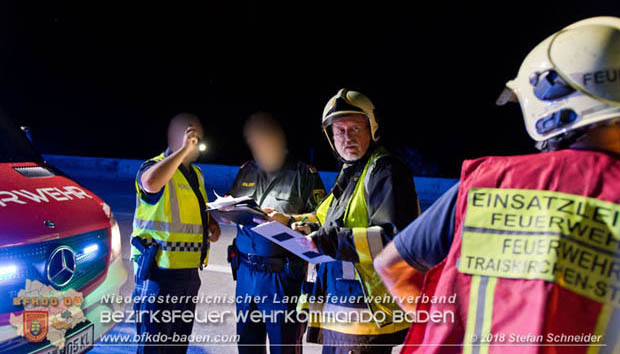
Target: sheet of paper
point(241, 215)
point(292, 241)
point(242, 211)
point(228, 201)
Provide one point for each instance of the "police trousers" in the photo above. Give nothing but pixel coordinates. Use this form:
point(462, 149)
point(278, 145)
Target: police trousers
point(268, 291)
point(158, 334)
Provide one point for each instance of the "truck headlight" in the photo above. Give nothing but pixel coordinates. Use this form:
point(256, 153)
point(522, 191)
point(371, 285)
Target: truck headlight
point(115, 239)
point(8, 271)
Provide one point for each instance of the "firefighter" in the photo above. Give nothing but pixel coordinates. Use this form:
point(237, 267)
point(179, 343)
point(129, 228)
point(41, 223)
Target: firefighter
point(527, 245)
point(171, 220)
point(373, 198)
point(265, 271)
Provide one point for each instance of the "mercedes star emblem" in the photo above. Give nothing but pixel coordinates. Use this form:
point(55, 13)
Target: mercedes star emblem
point(61, 266)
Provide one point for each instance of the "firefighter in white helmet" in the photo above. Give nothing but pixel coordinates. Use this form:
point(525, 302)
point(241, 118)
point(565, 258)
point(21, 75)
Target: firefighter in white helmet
point(373, 198)
point(529, 245)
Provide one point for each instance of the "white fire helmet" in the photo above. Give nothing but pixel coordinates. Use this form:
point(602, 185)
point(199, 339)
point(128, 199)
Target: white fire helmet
point(345, 103)
point(570, 80)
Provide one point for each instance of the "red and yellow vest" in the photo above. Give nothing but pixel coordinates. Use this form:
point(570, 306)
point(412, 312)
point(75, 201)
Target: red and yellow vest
point(535, 259)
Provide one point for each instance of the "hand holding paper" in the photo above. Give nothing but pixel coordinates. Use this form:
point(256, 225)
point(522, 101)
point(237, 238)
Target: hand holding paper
point(302, 228)
point(298, 244)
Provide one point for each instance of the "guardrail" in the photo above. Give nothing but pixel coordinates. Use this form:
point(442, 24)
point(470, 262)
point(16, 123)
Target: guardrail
point(217, 177)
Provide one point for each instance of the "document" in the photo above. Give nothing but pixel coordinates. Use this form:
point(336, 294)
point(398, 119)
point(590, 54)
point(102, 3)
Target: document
point(292, 241)
point(242, 211)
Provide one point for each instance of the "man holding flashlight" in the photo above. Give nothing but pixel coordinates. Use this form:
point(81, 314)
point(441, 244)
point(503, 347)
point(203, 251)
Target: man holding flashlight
point(170, 215)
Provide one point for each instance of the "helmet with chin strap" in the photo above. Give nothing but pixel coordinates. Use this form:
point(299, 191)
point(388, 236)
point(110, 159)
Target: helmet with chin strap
point(570, 81)
point(346, 103)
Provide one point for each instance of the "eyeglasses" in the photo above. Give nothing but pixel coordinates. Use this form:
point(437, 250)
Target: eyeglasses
point(352, 132)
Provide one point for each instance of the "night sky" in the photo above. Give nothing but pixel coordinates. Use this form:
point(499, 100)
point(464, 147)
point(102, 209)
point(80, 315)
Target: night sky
point(103, 79)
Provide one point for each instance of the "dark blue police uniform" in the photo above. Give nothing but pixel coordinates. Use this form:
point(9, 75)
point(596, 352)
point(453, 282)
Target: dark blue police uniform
point(266, 270)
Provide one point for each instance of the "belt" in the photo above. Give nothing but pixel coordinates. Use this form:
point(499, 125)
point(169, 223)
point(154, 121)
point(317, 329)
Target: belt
point(162, 274)
point(264, 264)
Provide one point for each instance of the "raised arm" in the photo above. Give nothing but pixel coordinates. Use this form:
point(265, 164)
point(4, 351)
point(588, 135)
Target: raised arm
point(156, 177)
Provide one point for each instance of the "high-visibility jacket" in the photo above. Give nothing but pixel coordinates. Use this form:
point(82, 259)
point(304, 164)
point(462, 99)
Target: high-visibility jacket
point(368, 243)
point(174, 222)
point(535, 258)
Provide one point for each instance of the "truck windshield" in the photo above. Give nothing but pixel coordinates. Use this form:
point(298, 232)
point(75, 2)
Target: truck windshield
point(14, 146)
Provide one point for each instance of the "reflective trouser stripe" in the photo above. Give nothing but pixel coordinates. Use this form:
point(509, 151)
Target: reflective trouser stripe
point(302, 304)
point(608, 325)
point(168, 227)
point(479, 314)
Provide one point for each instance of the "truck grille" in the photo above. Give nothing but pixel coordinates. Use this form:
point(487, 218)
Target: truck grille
point(86, 254)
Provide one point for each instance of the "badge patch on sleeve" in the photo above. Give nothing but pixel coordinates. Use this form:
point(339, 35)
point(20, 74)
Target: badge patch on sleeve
point(318, 195)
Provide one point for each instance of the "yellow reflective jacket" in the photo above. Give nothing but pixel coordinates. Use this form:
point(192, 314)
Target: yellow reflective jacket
point(368, 243)
point(174, 222)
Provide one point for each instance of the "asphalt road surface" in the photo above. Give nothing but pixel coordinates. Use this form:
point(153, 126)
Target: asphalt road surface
point(216, 278)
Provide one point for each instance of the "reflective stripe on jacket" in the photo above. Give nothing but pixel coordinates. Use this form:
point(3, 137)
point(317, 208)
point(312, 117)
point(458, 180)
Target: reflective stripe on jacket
point(534, 260)
point(368, 242)
point(174, 222)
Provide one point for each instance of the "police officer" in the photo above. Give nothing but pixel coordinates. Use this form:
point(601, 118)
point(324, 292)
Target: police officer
point(170, 216)
point(545, 279)
point(373, 198)
point(278, 183)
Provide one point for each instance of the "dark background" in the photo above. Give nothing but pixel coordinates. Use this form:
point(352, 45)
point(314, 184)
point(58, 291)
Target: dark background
point(103, 78)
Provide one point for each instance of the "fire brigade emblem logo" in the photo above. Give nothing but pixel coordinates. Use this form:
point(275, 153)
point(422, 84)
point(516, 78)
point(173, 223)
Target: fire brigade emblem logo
point(35, 325)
